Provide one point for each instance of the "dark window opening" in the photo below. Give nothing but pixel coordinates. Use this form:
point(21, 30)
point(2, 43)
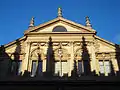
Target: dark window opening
point(16, 67)
point(34, 68)
point(39, 67)
point(59, 29)
point(80, 68)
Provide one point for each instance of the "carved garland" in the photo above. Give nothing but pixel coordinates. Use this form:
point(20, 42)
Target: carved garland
point(65, 54)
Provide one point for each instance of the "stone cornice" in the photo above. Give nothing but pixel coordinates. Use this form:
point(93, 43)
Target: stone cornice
point(60, 33)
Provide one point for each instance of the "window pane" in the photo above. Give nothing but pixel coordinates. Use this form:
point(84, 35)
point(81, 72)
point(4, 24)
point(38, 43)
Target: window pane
point(14, 67)
point(34, 68)
point(40, 67)
point(101, 63)
point(107, 69)
point(86, 66)
point(107, 63)
point(59, 29)
point(101, 66)
point(57, 68)
point(80, 67)
point(19, 66)
point(101, 69)
point(107, 66)
point(64, 68)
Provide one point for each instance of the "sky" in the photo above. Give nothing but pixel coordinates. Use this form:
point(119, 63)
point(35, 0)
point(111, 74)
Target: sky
point(15, 16)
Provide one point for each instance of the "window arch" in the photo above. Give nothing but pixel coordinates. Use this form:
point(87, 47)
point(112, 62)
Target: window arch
point(78, 54)
point(36, 62)
point(36, 53)
point(59, 29)
point(61, 64)
point(65, 54)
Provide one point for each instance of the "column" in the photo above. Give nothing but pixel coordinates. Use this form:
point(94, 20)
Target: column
point(71, 61)
point(26, 59)
point(115, 64)
point(44, 66)
point(45, 57)
point(93, 59)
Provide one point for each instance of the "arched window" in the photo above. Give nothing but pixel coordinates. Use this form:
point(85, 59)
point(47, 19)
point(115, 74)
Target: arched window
point(37, 57)
point(61, 63)
point(59, 29)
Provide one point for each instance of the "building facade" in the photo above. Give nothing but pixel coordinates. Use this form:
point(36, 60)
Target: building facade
point(60, 47)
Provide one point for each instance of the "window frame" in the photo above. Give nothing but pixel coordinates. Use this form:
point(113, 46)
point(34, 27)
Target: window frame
point(19, 63)
point(104, 66)
point(59, 28)
point(39, 72)
point(58, 74)
point(16, 69)
point(32, 68)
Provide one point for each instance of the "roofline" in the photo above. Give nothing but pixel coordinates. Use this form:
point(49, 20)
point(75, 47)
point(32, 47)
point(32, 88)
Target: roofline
point(13, 42)
point(58, 19)
point(105, 41)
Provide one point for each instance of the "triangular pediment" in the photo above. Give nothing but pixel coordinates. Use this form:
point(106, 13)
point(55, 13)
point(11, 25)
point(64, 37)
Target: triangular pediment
point(106, 46)
point(69, 25)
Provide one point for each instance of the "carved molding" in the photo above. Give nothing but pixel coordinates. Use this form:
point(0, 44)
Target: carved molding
point(65, 54)
point(77, 44)
point(105, 55)
point(53, 43)
point(36, 54)
point(39, 44)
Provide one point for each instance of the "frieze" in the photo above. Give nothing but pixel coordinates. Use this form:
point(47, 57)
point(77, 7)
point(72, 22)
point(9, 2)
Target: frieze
point(77, 43)
point(38, 44)
point(103, 55)
point(54, 44)
point(43, 44)
point(65, 44)
point(88, 43)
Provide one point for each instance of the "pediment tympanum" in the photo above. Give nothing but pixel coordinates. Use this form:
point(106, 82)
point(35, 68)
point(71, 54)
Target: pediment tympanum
point(69, 25)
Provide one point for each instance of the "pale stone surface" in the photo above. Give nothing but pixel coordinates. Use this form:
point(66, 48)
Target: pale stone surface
point(71, 42)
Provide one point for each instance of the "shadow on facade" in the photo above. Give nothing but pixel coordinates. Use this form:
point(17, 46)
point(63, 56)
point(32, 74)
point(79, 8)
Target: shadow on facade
point(85, 58)
point(5, 63)
point(85, 62)
point(50, 65)
point(112, 70)
point(117, 57)
point(15, 62)
point(74, 71)
point(16, 74)
point(39, 67)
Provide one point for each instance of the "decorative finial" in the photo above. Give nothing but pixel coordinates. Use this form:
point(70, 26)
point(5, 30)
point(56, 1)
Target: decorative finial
point(88, 24)
point(32, 22)
point(59, 12)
